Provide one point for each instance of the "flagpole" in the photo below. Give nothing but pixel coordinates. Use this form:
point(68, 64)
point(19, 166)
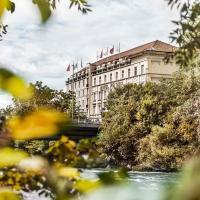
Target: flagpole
point(97, 55)
point(119, 59)
point(73, 92)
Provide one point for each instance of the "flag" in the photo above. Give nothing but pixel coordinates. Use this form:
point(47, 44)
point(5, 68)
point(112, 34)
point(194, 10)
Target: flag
point(68, 68)
point(112, 50)
point(101, 55)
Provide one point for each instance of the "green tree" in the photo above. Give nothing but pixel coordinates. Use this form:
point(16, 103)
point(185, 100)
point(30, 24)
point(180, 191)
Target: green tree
point(134, 111)
point(43, 96)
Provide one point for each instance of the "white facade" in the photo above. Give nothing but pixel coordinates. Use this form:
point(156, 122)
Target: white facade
point(93, 83)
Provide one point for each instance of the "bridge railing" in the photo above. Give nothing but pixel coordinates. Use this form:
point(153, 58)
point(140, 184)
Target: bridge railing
point(87, 122)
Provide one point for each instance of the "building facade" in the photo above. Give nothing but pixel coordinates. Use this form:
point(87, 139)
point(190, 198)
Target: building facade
point(142, 64)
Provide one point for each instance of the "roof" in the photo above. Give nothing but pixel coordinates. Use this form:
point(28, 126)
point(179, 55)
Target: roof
point(155, 46)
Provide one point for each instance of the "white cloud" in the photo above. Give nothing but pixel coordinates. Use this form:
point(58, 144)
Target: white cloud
point(42, 53)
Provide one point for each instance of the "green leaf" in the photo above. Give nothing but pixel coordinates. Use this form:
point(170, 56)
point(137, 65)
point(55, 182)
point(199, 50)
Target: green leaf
point(44, 8)
point(6, 5)
point(10, 6)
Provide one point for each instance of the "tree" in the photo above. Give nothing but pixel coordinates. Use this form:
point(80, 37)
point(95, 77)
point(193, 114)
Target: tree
point(133, 113)
point(43, 96)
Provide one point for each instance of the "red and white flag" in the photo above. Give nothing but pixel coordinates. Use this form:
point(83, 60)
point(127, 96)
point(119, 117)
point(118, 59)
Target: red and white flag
point(68, 68)
point(101, 55)
point(112, 50)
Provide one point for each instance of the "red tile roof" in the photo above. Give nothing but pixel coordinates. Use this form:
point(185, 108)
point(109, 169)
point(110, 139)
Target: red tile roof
point(154, 47)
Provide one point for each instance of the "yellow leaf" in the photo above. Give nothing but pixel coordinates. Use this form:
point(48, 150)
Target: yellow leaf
point(41, 123)
point(14, 84)
point(3, 5)
point(87, 185)
point(68, 172)
point(17, 87)
point(8, 195)
point(10, 157)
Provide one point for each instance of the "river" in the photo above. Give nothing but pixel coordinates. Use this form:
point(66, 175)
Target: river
point(140, 186)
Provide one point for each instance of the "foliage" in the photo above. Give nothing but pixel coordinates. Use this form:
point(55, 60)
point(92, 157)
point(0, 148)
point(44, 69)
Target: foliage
point(187, 32)
point(43, 97)
point(57, 182)
point(136, 123)
point(33, 147)
point(81, 155)
point(177, 141)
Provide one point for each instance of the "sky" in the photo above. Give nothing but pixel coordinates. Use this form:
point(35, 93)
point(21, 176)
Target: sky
point(43, 52)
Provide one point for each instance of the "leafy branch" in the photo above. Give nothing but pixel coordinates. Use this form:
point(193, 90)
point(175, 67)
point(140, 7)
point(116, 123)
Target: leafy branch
point(187, 32)
point(82, 5)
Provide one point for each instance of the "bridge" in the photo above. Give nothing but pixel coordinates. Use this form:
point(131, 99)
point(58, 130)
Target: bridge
point(78, 130)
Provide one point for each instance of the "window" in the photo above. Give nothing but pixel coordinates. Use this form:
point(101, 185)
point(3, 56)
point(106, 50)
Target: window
point(75, 85)
point(94, 96)
point(99, 107)
point(94, 81)
point(135, 71)
point(122, 73)
point(83, 92)
point(94, 109)
point(142, 69)
point(83, 103)
point(79, 93)
point(99, 80)
point(83, 83)
point(79, 84)
point(105, 79)
point(110, 77)
point(129, 72)
point(99, 95)
point(116, 75)
point(105, 94)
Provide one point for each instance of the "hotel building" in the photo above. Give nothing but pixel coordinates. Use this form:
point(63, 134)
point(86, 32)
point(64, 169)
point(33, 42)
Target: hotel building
point(141, 64)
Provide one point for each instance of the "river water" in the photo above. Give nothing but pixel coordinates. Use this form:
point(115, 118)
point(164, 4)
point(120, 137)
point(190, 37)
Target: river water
point(141, 185)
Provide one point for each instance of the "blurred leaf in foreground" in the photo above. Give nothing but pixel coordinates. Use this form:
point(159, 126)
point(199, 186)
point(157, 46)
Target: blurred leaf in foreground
point(8, 195)
point(14, 84)
point(69, 172)
point(189, 183)
point(88, 185)
point(6, 5)
point(10, 157)
point(41, 123)
point(44, 8)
